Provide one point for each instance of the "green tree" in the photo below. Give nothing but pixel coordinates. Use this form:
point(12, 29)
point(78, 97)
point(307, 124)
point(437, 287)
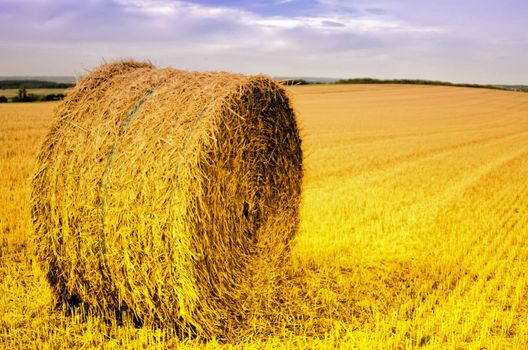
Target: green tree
point(22, 94)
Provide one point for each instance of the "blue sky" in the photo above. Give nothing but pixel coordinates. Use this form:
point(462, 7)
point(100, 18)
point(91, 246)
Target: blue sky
point(478, 41)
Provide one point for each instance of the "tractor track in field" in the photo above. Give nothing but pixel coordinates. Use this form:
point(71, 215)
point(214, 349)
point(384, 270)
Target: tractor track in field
point(352, 140)
point(433, 205)
point(493, 263)
point(408, 160)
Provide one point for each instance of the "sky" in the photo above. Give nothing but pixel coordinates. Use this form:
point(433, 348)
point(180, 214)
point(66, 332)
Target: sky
point(473, 41)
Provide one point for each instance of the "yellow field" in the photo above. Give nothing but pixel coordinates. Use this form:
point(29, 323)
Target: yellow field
point(414, 228)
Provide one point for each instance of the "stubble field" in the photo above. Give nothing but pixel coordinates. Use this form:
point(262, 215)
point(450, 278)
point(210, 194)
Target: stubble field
point(413, 227)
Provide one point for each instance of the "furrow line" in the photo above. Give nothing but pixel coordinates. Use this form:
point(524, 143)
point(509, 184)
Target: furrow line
point(407, 161)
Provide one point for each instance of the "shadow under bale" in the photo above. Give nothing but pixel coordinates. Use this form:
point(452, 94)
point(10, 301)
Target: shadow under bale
point(171, 194)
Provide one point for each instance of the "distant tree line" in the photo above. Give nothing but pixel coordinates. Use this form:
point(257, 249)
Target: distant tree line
point(33, 84)
point(414, 82)
point(523, 88)
point(24, 96)
point(290, 82)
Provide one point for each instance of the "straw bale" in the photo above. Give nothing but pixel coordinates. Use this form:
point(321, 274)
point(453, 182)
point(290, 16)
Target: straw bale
point(168, 194)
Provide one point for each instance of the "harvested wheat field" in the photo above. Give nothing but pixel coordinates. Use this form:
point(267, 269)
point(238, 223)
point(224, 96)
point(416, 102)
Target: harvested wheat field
point(412, 233)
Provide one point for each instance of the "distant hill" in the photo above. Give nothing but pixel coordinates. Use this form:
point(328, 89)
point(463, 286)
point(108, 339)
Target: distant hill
point(33, 84)
point(308, 80)
point(312, 80)
point(515, 87)
point(415, 82)
point(63, 82)
point(66, 79)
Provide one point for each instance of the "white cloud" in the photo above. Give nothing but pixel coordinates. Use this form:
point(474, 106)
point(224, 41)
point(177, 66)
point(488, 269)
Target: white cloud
point(173, 8)
point(351, 23)
point(341, 39)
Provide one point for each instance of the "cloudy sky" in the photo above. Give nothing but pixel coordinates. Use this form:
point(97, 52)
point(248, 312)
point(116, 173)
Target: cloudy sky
point(478, 41)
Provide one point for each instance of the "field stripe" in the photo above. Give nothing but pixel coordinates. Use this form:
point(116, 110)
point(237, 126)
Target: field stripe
point(382, 165)
point(493, 267)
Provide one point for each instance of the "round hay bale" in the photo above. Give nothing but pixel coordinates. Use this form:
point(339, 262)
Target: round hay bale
point(164, 193)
